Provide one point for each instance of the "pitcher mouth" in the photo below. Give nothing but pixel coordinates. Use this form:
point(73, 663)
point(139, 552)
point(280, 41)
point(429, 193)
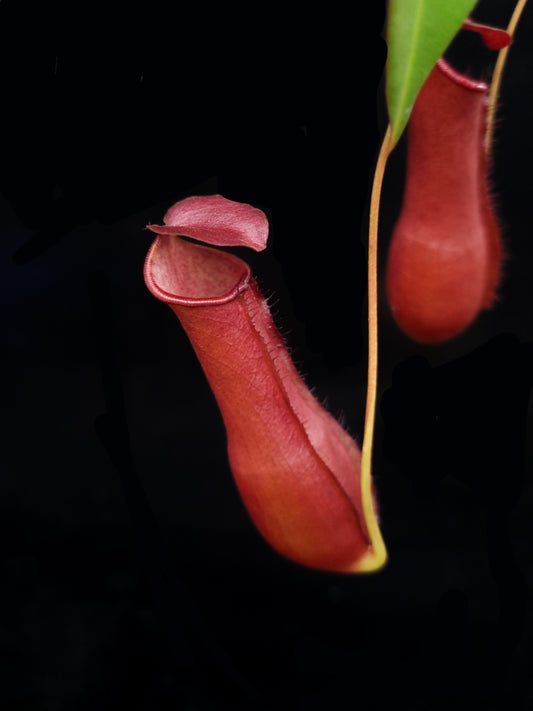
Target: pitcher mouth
point(177, 271)
point(461, 79)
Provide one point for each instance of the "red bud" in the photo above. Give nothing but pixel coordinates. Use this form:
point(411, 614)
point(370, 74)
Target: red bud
point(493, 37)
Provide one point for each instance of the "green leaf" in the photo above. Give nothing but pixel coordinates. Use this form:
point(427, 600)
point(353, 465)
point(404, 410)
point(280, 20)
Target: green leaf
point(418, 33)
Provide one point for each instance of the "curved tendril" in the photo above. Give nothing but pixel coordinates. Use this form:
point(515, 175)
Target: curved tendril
point(498, 72)
point(377, 557)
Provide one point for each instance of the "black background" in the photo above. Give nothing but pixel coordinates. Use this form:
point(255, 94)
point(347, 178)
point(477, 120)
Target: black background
point(131, 574)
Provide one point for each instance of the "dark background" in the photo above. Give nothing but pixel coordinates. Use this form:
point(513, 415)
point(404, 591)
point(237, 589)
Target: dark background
point(132, 576)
